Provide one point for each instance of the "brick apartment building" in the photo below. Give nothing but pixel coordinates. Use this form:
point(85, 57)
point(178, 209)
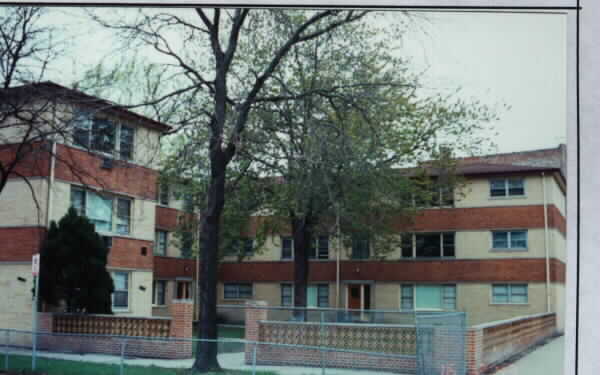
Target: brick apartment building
point(495, 250)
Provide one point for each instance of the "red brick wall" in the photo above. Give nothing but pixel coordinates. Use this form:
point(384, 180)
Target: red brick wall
point(123, 177)
point(556, 219)
point(170, 268)
point(167, 218)
point(458, 270)
point(19, 244)
point(127, 253)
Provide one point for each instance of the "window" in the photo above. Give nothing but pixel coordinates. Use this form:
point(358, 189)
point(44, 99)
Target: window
point(287, 295)
point(509, 240)
point(237, 291)
point(503, 187)
point(187, 241)
point(126, 143)
point(188, 202)
point(158, 292)
point(100, 209)
point(184, 290)
point(317, 295)
point(101, 135)
point(434, 245)
point(160, 243)
point(287, 248)
point(428, 297)
point(120, 297)
point(360, 247)
point(509, 293)
point(406, 297)
point(319, 248)
point(163, 194)
point(242, 246)
point(435, 196)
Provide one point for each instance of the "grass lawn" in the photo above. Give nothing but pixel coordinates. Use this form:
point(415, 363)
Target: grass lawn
point(22, 365)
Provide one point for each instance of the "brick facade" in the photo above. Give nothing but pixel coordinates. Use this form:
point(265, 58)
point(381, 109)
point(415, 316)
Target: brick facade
point(128, 253)
point(34, 162)
point(454, 270)
point(19, 244)
point(167, 218)
point(170, 268)
point(124, 177)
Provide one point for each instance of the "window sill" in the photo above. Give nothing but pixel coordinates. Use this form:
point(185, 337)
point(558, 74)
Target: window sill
point(237, 299)
point(509, 303)
point(121, 310)
point(510, 250)
point(508, 197)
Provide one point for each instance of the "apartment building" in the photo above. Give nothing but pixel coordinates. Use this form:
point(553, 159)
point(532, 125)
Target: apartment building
point(495, 249)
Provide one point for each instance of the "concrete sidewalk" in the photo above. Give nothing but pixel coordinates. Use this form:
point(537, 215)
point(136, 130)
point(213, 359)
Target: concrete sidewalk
point(229, 361)
point(545, 360)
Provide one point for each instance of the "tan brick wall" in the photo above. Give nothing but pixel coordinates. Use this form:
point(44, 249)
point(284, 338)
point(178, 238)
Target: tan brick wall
point(16, 306)
point(18, 206)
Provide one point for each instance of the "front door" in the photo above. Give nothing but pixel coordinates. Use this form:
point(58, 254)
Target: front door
point(354, 297)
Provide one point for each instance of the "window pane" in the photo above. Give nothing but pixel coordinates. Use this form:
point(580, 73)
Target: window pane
point(407, 297)
point(407, 250)
point(518, 293)
point(311, 296)
point(360, 247)
point(428, 245)
point(448, 243)
point(518, 239)
point(82, 124)
point(323, 296)
point(516, 187)
point(103, 135)
point(323, 247)
point(449, 297)
point(78, 201)
point(248, 247)
point(286, 295)
point(163, 194)
point(100, 212)
point(500, 240)
point(120, 299)
point(120, 295)
point(123, 215)
point(187, 240)
point(500, 293)
point(126, 143)
point(245, 291)
point(161, 243)
point(498, 188)
point(429, 297)
point(286, 248)
point(447, 196)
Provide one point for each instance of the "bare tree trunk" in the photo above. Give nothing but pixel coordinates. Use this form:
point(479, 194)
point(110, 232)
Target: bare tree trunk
point(302, 236)
point(206, 354)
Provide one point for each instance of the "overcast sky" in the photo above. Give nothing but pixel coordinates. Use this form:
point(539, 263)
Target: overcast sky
point(510, 59)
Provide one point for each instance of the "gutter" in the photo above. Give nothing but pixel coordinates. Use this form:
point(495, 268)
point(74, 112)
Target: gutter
point(546, 243)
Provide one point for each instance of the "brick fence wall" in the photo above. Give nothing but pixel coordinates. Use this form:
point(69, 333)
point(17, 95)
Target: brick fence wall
point(381, 339)
point(180, 326)
point(491, 343)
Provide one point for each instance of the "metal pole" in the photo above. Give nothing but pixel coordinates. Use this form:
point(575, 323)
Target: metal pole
point(6, 351)
point(123, 343)
point(35, 321)
point(254, 360)
point(321, 339)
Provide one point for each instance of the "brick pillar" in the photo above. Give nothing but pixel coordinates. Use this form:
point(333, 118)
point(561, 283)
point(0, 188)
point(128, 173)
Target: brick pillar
point(182, 317)
point(255, 312)
point(474, 351)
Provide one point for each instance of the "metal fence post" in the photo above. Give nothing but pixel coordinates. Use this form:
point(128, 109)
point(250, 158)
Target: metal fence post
point(123, 343)
point(6, 350)
point(321, 342)
point(254, 360)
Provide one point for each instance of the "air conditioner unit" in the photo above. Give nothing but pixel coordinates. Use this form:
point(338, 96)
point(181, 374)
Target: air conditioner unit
point(107, 241)
point(107, 163)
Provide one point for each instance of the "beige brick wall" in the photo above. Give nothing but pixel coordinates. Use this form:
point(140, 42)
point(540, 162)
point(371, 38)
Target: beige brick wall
point(140, 301)
point(16, 306)
point(17, 204)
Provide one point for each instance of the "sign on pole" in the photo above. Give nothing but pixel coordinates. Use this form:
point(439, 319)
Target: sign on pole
point(35, 264)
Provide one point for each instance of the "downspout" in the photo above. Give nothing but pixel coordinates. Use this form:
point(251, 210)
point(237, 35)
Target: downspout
point(546, 243)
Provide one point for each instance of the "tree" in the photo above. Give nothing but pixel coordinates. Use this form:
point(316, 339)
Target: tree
point(226, 60)
point(73, 267)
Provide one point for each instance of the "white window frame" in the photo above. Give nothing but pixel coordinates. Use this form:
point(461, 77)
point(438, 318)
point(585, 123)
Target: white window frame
point(291, 250)
point(112, 298)
point(157, 242)
point(413, 238)
point(316, 248)
point(238, 291)
point(509, 242)
point(509, 294)
point(507, 194)
point(291, 286)
point(155, 292)
point(114, 214)
point(116, 152)
point(414, 296)
point(314, 285)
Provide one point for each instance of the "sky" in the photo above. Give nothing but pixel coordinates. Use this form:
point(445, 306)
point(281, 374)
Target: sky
point(513, 62)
